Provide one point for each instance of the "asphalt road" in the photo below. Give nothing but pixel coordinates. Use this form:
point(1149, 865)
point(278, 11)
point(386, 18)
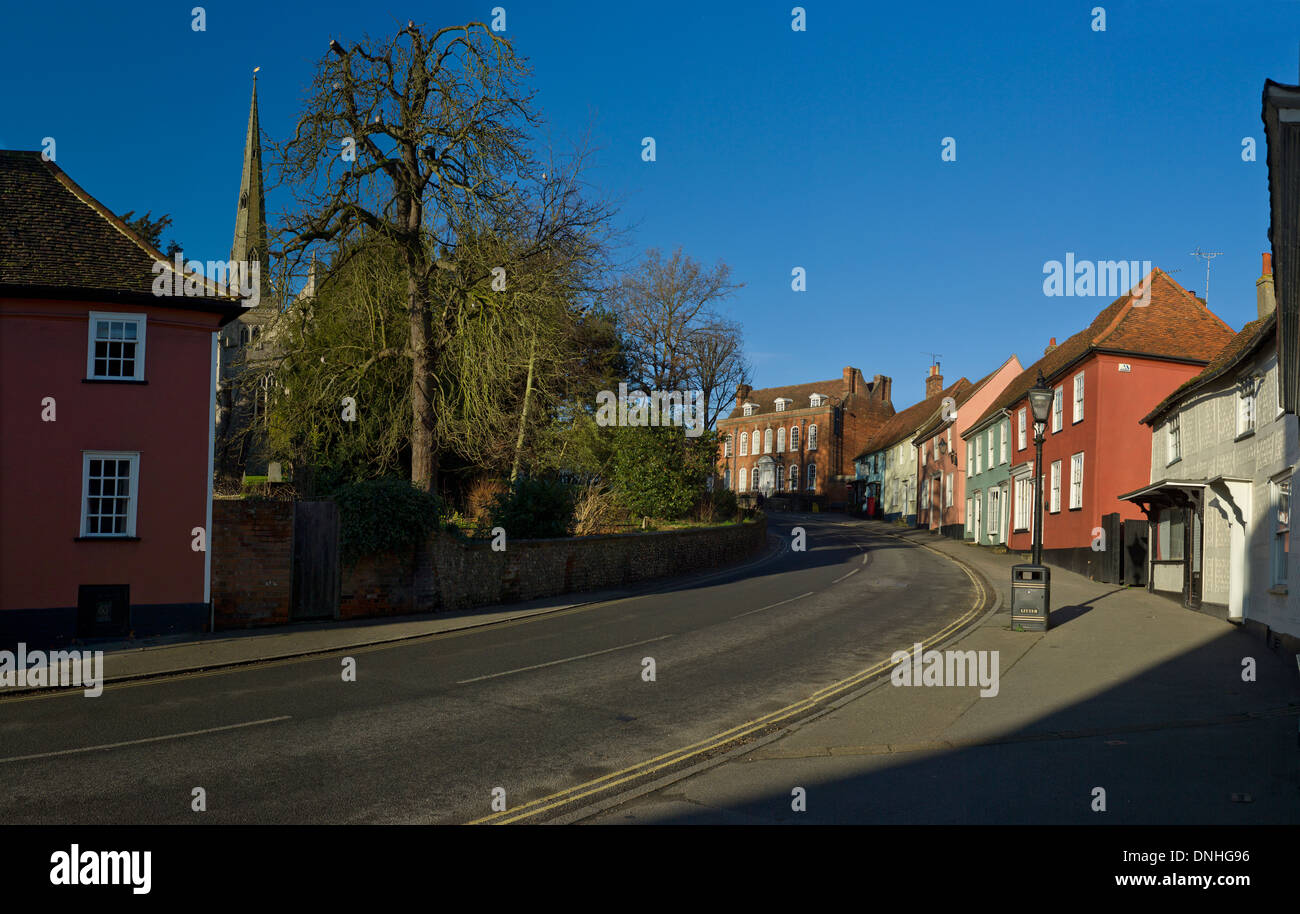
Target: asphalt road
point(430, 728)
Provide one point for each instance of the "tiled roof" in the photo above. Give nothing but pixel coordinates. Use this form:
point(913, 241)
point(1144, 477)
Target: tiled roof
point(54, 235)
point(1238, 348)
point(902, 426)
point(959, 399)
point(1174, 324)
point(866, 398)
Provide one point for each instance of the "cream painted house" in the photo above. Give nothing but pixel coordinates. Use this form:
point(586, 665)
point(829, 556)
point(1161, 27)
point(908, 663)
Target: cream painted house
point(1224, 457)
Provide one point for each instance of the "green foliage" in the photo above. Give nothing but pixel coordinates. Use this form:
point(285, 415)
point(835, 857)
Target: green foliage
point(724, 504)
point(534, 509)
point(380, 516)
point(659, 471)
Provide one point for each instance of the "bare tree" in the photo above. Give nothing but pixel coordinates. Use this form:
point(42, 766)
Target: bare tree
point(661, 307)
point(423, 139)
point(716, 355)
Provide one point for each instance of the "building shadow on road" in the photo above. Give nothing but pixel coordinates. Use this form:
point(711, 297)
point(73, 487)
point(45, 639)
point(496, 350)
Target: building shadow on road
point(1182, 740)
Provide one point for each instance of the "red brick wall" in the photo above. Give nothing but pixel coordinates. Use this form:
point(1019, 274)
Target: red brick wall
point(252, 562)
point(389, 585)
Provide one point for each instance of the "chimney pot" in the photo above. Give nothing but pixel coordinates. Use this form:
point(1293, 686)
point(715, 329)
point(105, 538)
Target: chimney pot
point(1268, 264)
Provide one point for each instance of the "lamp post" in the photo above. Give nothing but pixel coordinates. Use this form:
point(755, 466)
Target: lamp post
point(1040, 403)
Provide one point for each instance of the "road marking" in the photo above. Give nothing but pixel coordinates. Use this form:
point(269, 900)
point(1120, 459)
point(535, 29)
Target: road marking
point(538, 666)
point(849, 575)
point(137, 742)
point(773, 605)
point(718, 740)
point(411, 640)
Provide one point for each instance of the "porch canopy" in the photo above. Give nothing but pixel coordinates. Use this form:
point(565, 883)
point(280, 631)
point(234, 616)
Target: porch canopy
point(1180, 493)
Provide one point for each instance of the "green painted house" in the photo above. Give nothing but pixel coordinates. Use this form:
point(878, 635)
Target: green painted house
point(988, 479)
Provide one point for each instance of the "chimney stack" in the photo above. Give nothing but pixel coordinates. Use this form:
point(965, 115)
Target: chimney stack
point(851, 376)
point(933, 382)
point(880, 386)
point(1264, 300)
point(1050, 346)
point(742, 392)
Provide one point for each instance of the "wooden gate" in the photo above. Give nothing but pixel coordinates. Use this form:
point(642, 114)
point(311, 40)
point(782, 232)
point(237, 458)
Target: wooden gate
point(316, 577)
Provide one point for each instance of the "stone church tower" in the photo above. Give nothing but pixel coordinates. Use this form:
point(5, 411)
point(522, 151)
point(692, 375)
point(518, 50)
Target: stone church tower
point(245, 350)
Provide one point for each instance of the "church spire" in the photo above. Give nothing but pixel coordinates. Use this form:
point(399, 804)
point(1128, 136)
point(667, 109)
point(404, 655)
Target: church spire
point(250, 216)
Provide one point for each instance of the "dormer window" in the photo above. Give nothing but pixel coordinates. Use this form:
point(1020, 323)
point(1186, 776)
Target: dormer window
point(782, 403)
point(749, 408)
point(816, 400)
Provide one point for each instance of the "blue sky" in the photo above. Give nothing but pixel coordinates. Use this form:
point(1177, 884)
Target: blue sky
point(775, 148)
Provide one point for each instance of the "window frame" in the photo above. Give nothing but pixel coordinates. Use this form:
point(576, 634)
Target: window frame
point(1054, 493)
point(1173, 439)
point(1076, 485)
point(812, 437)
point(142, 323)
point(133, 495)
point(1249, 402)
point(810, 476)
point(1078, 399)
point(1020, 429)
point(1058, 408)
point(1280, 533)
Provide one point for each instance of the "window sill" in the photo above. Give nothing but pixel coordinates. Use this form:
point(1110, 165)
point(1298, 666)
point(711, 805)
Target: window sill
point(105, 539)
point(1244, 435)
point(1079, 508)
point(1279, 590)
point(1175, 460)
point(111, 381)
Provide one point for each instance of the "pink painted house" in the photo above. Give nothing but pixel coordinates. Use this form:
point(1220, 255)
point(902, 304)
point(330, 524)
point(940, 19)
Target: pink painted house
point(941, 454)
point(106, 431)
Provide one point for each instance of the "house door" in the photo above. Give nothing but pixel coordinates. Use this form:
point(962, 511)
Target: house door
point(978, 503)
point(1192, 563)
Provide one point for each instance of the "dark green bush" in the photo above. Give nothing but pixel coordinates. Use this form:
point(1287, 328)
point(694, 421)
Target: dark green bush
point(534, 509)
point(380, 516)
point(724, 504)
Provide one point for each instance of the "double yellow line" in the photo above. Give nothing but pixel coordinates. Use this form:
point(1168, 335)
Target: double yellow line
point(718, 740)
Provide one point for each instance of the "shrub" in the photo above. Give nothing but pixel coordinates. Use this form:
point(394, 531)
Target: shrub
point(534, 509)
point(482, 494)
point(659, 471)
point(384, 516)
point(595, 509)
point(724, 504)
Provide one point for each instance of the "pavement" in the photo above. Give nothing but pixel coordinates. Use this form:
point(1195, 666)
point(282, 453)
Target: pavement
point(1129, 709)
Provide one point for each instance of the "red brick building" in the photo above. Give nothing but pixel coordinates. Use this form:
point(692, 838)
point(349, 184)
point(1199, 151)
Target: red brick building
point(106, 432)
point(801, 439)
point(1107, 377)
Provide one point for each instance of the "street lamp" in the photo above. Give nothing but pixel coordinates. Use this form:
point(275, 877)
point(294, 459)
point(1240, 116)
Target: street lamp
point(1040, 403)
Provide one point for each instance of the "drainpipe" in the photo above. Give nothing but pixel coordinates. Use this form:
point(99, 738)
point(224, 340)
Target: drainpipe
point(207, 535)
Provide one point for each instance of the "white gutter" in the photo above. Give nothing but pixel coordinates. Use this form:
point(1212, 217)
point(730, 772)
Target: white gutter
point(207, 535)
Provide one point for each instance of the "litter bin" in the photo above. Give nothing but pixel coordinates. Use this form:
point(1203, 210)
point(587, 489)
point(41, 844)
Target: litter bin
point(1031, 598)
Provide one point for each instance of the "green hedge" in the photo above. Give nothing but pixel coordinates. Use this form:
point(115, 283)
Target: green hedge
point(381, 516)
